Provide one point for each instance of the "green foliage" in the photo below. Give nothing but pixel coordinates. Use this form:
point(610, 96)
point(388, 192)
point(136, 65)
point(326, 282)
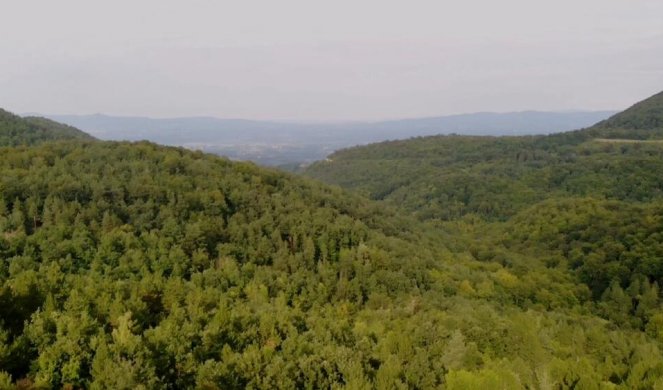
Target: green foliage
point(645, 115)
point(15, 130)
point(558, 222)
point(448, 177)
point(133, 266)
point(138, 266)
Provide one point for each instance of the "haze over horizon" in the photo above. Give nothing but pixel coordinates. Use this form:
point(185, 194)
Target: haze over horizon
point(305, 61)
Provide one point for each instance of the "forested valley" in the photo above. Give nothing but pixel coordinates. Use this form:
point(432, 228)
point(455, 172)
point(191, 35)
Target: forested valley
point(438, 262)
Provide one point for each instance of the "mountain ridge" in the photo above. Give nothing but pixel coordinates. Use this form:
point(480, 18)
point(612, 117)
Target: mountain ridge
point(646, 114)
point(16, 130)
point(276, 143)
point(424, 174)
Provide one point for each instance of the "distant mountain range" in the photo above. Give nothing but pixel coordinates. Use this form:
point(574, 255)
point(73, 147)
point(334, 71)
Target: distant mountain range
point(275, 143)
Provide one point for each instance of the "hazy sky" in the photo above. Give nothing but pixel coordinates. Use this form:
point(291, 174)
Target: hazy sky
point(341, 59)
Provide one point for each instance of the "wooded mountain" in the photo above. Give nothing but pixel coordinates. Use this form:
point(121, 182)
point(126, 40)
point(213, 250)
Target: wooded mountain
point(587, 202)
point(645, 115)
point(15, 130)
point(133, 265)
point(446, 177)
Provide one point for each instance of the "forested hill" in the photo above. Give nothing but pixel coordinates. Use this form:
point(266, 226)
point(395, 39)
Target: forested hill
point(642, 121)
point(587, 204)
point(140, 266)
point(447, 177)
point(15, 130)
point(645, 115)
point(135, 264)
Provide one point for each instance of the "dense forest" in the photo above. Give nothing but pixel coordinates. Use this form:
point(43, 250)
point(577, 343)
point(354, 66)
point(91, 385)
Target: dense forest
point(479, 262)
point(587, 203)
point(493, 178)
point(15, 130)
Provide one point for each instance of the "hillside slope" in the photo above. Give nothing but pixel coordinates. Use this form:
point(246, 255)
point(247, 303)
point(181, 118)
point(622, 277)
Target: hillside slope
point(645, 115)
point(642, 121)
point(15, 130)
point(587, 204)
point(447, 177)
point(135, 265)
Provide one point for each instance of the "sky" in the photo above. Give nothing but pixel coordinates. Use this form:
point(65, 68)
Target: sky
point(311, 60)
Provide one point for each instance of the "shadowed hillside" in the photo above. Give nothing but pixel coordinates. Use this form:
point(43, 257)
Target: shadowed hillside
point(15, 130)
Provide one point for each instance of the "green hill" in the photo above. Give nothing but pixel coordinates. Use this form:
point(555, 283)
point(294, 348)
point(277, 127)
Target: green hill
point(15, 130)
point(132, 265)
point(642, 121)
point(536, 186)
point(448, 177)
point(587, 204)
point(645, 115)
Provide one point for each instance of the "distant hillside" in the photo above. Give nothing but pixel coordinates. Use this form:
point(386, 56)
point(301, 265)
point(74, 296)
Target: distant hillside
point(447, 177)
point(490, 123)
point(15, 130)
point(276, 143)
point(645, 115)
point(642, 121)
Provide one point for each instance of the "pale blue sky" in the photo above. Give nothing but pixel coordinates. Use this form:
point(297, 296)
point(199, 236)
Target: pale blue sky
point(332, 60)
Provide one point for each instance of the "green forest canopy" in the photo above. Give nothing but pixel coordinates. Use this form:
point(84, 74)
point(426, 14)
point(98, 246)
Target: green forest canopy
point(15, 130)
point(511, 263)
point(448, 177)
